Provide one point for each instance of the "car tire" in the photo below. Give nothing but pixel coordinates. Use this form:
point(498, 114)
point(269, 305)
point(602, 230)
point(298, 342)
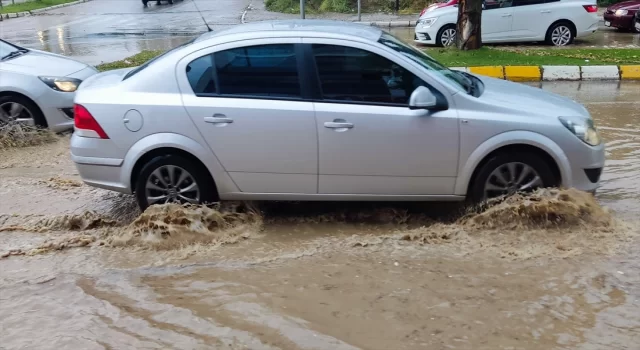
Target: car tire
point(30, 108)
point(195, 174)
point(442, 38)
point(504, 163)
point(145, 2)
point(560, 34)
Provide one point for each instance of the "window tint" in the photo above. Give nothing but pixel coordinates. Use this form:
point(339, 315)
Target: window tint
point(528, 2)
point(496, 4)
point(265, 70)
point(201, 75)
point(350, 74)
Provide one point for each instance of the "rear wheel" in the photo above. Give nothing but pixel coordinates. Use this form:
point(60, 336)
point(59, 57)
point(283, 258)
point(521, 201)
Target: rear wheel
point(560, 34)
point(446, 36)
point(510, 173)
point(174, 179)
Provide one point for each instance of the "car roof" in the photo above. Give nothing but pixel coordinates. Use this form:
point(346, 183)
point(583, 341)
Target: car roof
point(301, 26)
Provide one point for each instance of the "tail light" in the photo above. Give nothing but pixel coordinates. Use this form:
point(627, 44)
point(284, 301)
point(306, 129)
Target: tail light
point(423, 11)
point(85, 124)
point(591, 8)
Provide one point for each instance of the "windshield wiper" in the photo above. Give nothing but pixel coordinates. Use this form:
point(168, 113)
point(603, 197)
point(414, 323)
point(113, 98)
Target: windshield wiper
point(14, 54)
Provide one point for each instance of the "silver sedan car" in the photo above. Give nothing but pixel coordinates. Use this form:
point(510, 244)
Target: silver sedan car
point(38, 87)
point(323, 110)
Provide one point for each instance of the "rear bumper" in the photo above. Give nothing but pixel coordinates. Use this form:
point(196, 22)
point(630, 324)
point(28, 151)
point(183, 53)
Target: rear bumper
point(97, 166)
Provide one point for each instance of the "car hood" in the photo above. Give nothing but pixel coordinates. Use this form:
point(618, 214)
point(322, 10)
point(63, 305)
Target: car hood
point(438, 5)
point(506, 94)
point(41, 63)
point(625, 5)
point(440, 11)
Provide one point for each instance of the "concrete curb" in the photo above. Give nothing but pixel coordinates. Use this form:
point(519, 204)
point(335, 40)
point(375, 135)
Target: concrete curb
point(556, 73)
point(4, 16)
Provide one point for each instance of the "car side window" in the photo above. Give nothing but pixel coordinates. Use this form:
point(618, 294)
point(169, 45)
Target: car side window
point(496, 4)
point(350, 74)
point(251, 71)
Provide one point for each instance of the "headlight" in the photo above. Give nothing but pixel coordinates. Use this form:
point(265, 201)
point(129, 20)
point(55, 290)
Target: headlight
point(621, 12)
point(427, 22)
point(585, 130)
point(62, 83)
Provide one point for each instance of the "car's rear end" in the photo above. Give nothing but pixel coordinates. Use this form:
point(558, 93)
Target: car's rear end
point(583, 14)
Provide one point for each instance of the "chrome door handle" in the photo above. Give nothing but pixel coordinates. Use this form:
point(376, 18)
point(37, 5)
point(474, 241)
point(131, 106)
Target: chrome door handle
point(218, 119)
point(338, 125)
point(545, 11)
point(507, 15)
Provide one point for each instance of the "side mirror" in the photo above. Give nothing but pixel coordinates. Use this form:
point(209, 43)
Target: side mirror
point(423, 98)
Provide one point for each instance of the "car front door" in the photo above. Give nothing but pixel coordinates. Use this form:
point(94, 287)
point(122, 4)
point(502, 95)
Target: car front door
point(245, 98)
point(497, 18)
point(532, 18)
point(370, 142)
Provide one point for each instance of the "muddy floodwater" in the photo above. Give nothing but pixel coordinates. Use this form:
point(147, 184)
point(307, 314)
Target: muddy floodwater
point(81, 268)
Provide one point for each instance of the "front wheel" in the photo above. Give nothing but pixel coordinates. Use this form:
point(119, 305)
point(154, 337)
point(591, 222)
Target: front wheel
point(446, 36)
point(560, 34)
point(510, 173)
point(174, 179)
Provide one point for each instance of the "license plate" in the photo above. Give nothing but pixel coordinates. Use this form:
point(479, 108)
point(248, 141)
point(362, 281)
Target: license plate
point(638, 25)
point(607, 23)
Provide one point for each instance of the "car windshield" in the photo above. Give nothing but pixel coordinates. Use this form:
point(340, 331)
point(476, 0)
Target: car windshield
point(6, 49)
point(149, 62)
point(459, 80)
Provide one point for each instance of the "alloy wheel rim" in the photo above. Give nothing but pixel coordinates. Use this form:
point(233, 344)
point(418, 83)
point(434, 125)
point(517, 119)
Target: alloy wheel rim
point(511, 178)
point(561, 36)
point(171, 184)
point(448, 37)
point(14, 112)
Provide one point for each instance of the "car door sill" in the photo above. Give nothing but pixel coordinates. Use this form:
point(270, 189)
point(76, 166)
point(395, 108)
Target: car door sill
point(337, 197)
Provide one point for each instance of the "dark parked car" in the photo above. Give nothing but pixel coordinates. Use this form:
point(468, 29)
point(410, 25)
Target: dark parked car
point(145, 2)
point(637, 24)
point(621, 15)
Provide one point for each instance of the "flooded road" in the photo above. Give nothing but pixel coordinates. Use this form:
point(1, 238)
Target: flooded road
point(82, 269)
point(109, 30)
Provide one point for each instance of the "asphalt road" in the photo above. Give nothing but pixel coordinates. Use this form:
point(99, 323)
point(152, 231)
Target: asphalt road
point(108, 30)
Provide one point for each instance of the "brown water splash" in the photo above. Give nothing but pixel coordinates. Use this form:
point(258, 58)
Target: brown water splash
point(172, 225)
point(19, 135)
point(88, 220)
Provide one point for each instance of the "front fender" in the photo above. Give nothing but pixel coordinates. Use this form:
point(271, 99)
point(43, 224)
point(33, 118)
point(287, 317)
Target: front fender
point(516, 137)
point(181, 142)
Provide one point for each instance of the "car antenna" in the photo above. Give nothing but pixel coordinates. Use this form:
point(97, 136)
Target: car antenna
point(201, 16)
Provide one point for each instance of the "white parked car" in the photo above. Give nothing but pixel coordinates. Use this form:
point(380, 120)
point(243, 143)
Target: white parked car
point(37, 87)
point(556, 22)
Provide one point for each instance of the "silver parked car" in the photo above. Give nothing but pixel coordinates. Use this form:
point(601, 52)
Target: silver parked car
point(38, 87)
point(322, 110)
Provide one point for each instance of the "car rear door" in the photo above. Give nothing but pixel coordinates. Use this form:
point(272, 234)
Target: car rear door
point(496, 20)
point(532, 18)
point(246, 100)
point(370, 142)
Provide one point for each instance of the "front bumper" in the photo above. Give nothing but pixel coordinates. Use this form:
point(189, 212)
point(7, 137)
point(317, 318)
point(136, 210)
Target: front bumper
point(621, 22)
point(424, 35)
point(586, 168)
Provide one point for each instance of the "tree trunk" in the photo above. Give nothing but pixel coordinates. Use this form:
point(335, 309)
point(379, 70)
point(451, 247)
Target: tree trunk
point(468, 36)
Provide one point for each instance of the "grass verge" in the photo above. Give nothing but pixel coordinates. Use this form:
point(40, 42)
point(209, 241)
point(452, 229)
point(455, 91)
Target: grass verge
point(346, 6)
point(31, 5)
point(484, 57)
point(494, 56)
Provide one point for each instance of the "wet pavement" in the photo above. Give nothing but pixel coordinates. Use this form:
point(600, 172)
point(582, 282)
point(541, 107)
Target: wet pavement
point(322, 275)
point(109, 30)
